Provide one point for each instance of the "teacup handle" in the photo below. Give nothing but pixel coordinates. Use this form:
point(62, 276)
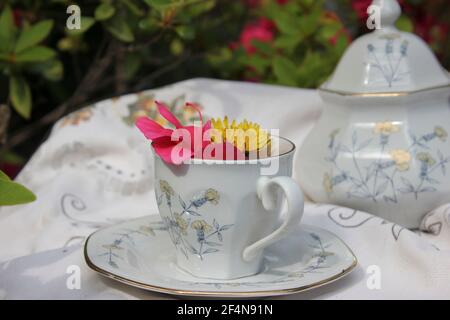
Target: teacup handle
point(295, 203)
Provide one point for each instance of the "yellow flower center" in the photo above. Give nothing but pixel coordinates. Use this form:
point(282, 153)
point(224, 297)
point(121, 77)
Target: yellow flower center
point(245, 136)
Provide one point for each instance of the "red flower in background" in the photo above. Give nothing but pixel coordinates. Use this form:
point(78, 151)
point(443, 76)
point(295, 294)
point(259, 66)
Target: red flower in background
point(429, 28)
point(423, 26)
point(253, 3)
point(261, 30)
point(11, 170)
point(360, 7)
point(17, 16)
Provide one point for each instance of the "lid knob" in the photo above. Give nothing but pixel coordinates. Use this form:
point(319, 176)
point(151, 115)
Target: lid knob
point(390, 11)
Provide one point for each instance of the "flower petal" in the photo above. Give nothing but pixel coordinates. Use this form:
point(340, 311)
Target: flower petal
point(164, 148)
point(207, 126)
point(164, 111)
point(196, 108)
point(151, 129)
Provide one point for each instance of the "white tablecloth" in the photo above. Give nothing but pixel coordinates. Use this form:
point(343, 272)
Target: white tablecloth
point(95, 169)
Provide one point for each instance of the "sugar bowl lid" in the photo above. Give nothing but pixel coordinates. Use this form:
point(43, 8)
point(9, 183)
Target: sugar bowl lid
point(387, 60)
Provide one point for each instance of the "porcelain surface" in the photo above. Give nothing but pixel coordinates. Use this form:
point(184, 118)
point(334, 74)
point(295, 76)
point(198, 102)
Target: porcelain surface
point(220, 216)
point(140, 253)
point(381, 144)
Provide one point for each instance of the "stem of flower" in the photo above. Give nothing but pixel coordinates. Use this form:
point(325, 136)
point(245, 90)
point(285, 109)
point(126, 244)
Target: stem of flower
point(376, 169)
point(363, 183)
point(382, 70)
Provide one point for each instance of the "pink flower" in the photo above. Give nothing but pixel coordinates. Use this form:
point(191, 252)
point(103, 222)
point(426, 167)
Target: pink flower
point(184, 142)
point(261, 30)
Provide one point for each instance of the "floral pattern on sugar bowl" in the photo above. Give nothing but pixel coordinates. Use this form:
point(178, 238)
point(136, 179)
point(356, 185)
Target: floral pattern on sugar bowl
point(387, 61)
point(184, 221)
point(390, 174)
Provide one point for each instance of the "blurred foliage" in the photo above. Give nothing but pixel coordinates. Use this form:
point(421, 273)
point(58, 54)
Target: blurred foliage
point(47, 70)
point(295, 43)
point(21, 51)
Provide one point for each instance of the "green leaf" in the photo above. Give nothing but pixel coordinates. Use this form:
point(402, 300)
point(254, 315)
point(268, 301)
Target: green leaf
point(287, 23)
point(35, 54)
point(288, 41)
point(85, 23)
point(12, 193)
point(70, 43)
point(310, 23)
point(4, 176)
point(328, 31)
point(405, 24)
point(258, 62)
point(148, 24)
point(104, 11)
point(176, 47)
point(132, 64)
point(186, 32)
point(12, 158)
point(221, 56)
point(133, 8)
point(7, 30)
point(186, 5)
point(314, 68)
point(4, 56)
point(341, 45)
point(51, 70)
point(199, 8)
point(156, 3)
point(20, 95)
point(33, 35)
point(119, 28)
point(263, 47)
point(285, 71)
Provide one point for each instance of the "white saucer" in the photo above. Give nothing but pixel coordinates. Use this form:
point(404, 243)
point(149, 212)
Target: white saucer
point(139, 253)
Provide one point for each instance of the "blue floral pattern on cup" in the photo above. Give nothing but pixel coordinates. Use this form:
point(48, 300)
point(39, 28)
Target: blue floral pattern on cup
point(188, 223)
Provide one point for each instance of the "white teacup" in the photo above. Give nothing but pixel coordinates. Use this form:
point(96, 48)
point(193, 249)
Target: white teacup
point(222, 214)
